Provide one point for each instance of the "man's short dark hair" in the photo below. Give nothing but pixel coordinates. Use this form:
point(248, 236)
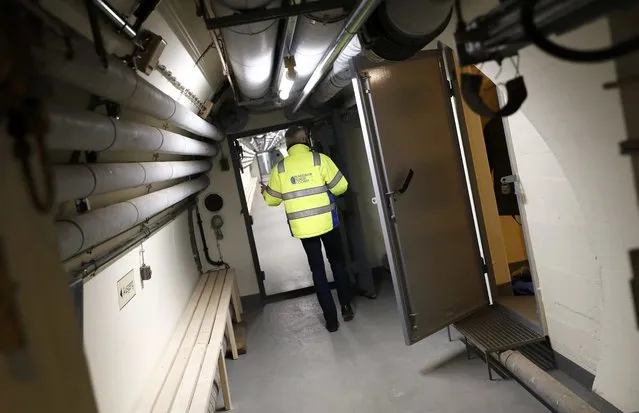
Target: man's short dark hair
point(293, 131)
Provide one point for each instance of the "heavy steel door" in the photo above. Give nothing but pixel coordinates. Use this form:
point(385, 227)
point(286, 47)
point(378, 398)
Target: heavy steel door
point(422, 191)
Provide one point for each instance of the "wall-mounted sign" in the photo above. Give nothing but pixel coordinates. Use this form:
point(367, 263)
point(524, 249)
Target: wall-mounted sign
point(126, 289)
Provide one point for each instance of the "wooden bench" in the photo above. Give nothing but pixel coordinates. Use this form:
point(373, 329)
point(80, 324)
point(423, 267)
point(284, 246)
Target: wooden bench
point(185, 378)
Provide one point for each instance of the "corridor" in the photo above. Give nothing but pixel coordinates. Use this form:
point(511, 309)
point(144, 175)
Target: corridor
point(294, 365)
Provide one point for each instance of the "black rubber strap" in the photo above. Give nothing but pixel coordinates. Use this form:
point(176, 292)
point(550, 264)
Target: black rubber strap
point(471, 86)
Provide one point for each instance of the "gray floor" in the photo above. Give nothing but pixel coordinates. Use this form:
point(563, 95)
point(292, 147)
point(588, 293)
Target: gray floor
point(281, 256)
point(294, 365)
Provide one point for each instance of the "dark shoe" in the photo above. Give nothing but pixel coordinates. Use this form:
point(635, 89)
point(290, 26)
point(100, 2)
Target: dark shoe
point(347, 312)
point(332, 327)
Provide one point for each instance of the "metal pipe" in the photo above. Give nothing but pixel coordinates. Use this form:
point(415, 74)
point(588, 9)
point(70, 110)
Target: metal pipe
point(81, 232)
point(90, 267)
point(121, 84)
point(89, 131)
point(553, 394)
point(275, 13)
point(83, 180)
point(355, 20)
point(120, 22)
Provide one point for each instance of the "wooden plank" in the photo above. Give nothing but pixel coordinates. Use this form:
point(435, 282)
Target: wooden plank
point(167, 394)
point(230, 335)
point(237, 303)
point(151, 392)
point(224, 381)
point(202, 393)
point(192, 371)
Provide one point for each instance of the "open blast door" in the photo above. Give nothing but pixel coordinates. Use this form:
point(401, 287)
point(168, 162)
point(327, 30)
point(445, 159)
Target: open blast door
point(421, 190)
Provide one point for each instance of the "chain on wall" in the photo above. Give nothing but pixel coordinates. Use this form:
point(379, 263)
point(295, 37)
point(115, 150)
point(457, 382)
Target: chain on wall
point(192, 97)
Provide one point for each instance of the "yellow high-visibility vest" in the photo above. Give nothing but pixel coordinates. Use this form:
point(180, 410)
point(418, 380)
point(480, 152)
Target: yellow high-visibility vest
point(307, 182)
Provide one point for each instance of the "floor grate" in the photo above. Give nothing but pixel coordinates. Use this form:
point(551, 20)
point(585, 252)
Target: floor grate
point(492, 331)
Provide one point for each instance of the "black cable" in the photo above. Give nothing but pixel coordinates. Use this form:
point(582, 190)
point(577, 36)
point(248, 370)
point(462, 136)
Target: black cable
point(192, 238)
point(540, 40)
point(98, 41)
point(461, 24)
point(205, 246)
point(209, 47)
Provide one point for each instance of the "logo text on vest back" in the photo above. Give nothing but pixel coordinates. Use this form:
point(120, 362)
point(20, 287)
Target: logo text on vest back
point(301, 179)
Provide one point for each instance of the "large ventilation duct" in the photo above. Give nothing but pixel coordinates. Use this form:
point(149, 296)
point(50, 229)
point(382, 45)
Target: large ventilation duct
point(121, 84)
point(85, 231)
point(89, 131)
point(250, 47)
point(397, 30)
point(313, 35)
point(81, 181)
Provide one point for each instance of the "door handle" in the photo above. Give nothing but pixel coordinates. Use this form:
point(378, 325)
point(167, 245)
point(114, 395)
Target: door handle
point(409, 177)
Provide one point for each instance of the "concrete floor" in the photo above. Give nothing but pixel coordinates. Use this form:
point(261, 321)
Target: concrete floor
point(281, 256)
point(294, 365)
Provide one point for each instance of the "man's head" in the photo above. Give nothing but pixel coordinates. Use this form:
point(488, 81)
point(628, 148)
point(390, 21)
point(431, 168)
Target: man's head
point(296, 135)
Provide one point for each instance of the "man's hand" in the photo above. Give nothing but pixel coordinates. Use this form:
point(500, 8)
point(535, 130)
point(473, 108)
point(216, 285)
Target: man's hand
point(262, 187)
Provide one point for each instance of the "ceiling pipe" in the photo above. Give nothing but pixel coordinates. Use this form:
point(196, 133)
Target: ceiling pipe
point(90, 131)
point(313, 37)
point(396, 31)
point(121, 84)
point(250, 47)
point(84, 180)
point(355, 20)
point(114, 16)
point(81, 232)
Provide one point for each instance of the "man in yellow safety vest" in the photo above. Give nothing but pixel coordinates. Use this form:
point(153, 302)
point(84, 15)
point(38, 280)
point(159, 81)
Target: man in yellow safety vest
point(307, 182)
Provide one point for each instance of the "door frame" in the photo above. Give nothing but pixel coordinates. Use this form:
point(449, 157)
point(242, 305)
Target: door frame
point(541, 312)
point(248, 219)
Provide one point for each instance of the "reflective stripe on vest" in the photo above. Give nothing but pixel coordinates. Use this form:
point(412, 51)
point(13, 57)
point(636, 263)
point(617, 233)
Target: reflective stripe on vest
point(304, 192)
point(335, 181)
point(273, 193)
point(310, 212)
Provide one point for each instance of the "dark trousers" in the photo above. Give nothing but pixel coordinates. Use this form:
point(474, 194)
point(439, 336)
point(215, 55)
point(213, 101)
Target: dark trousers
point(333, 245)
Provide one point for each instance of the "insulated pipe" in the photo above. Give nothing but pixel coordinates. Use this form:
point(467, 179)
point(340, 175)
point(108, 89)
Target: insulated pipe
point(250, 47)
point(121, 84)
point(285, 48)
point(403, 27)
point(81, 181)
point(78, 233)
point(312, 38)
point(340, 75)
point(355, 20)
point(89, 131)
point(555, 394)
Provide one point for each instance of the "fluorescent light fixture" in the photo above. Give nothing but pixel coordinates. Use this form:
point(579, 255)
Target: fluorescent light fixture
point(286, 84)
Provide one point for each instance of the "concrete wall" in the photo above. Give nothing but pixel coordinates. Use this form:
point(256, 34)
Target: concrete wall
point(235, 246)
point(124, 346)
point(581, 207)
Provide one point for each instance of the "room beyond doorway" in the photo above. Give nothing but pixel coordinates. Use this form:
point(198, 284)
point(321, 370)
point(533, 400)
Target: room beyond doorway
point(281, 257)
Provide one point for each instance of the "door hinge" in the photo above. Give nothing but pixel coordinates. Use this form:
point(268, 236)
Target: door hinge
point(484, 266)
point(262, 276)
point(412, 319)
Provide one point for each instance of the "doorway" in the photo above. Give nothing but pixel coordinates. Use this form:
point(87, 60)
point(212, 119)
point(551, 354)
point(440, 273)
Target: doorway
point(513, 281)
point(282, 261)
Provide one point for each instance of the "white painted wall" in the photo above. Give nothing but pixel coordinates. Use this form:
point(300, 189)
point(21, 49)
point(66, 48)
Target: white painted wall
point(124, 346)
point(235, 246)
point(581, 206)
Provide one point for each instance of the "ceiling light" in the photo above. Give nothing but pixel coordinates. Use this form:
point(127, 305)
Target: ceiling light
point(286, 84)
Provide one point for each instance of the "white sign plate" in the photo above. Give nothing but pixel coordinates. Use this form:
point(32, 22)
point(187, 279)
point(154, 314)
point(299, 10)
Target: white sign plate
point(126, 289)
